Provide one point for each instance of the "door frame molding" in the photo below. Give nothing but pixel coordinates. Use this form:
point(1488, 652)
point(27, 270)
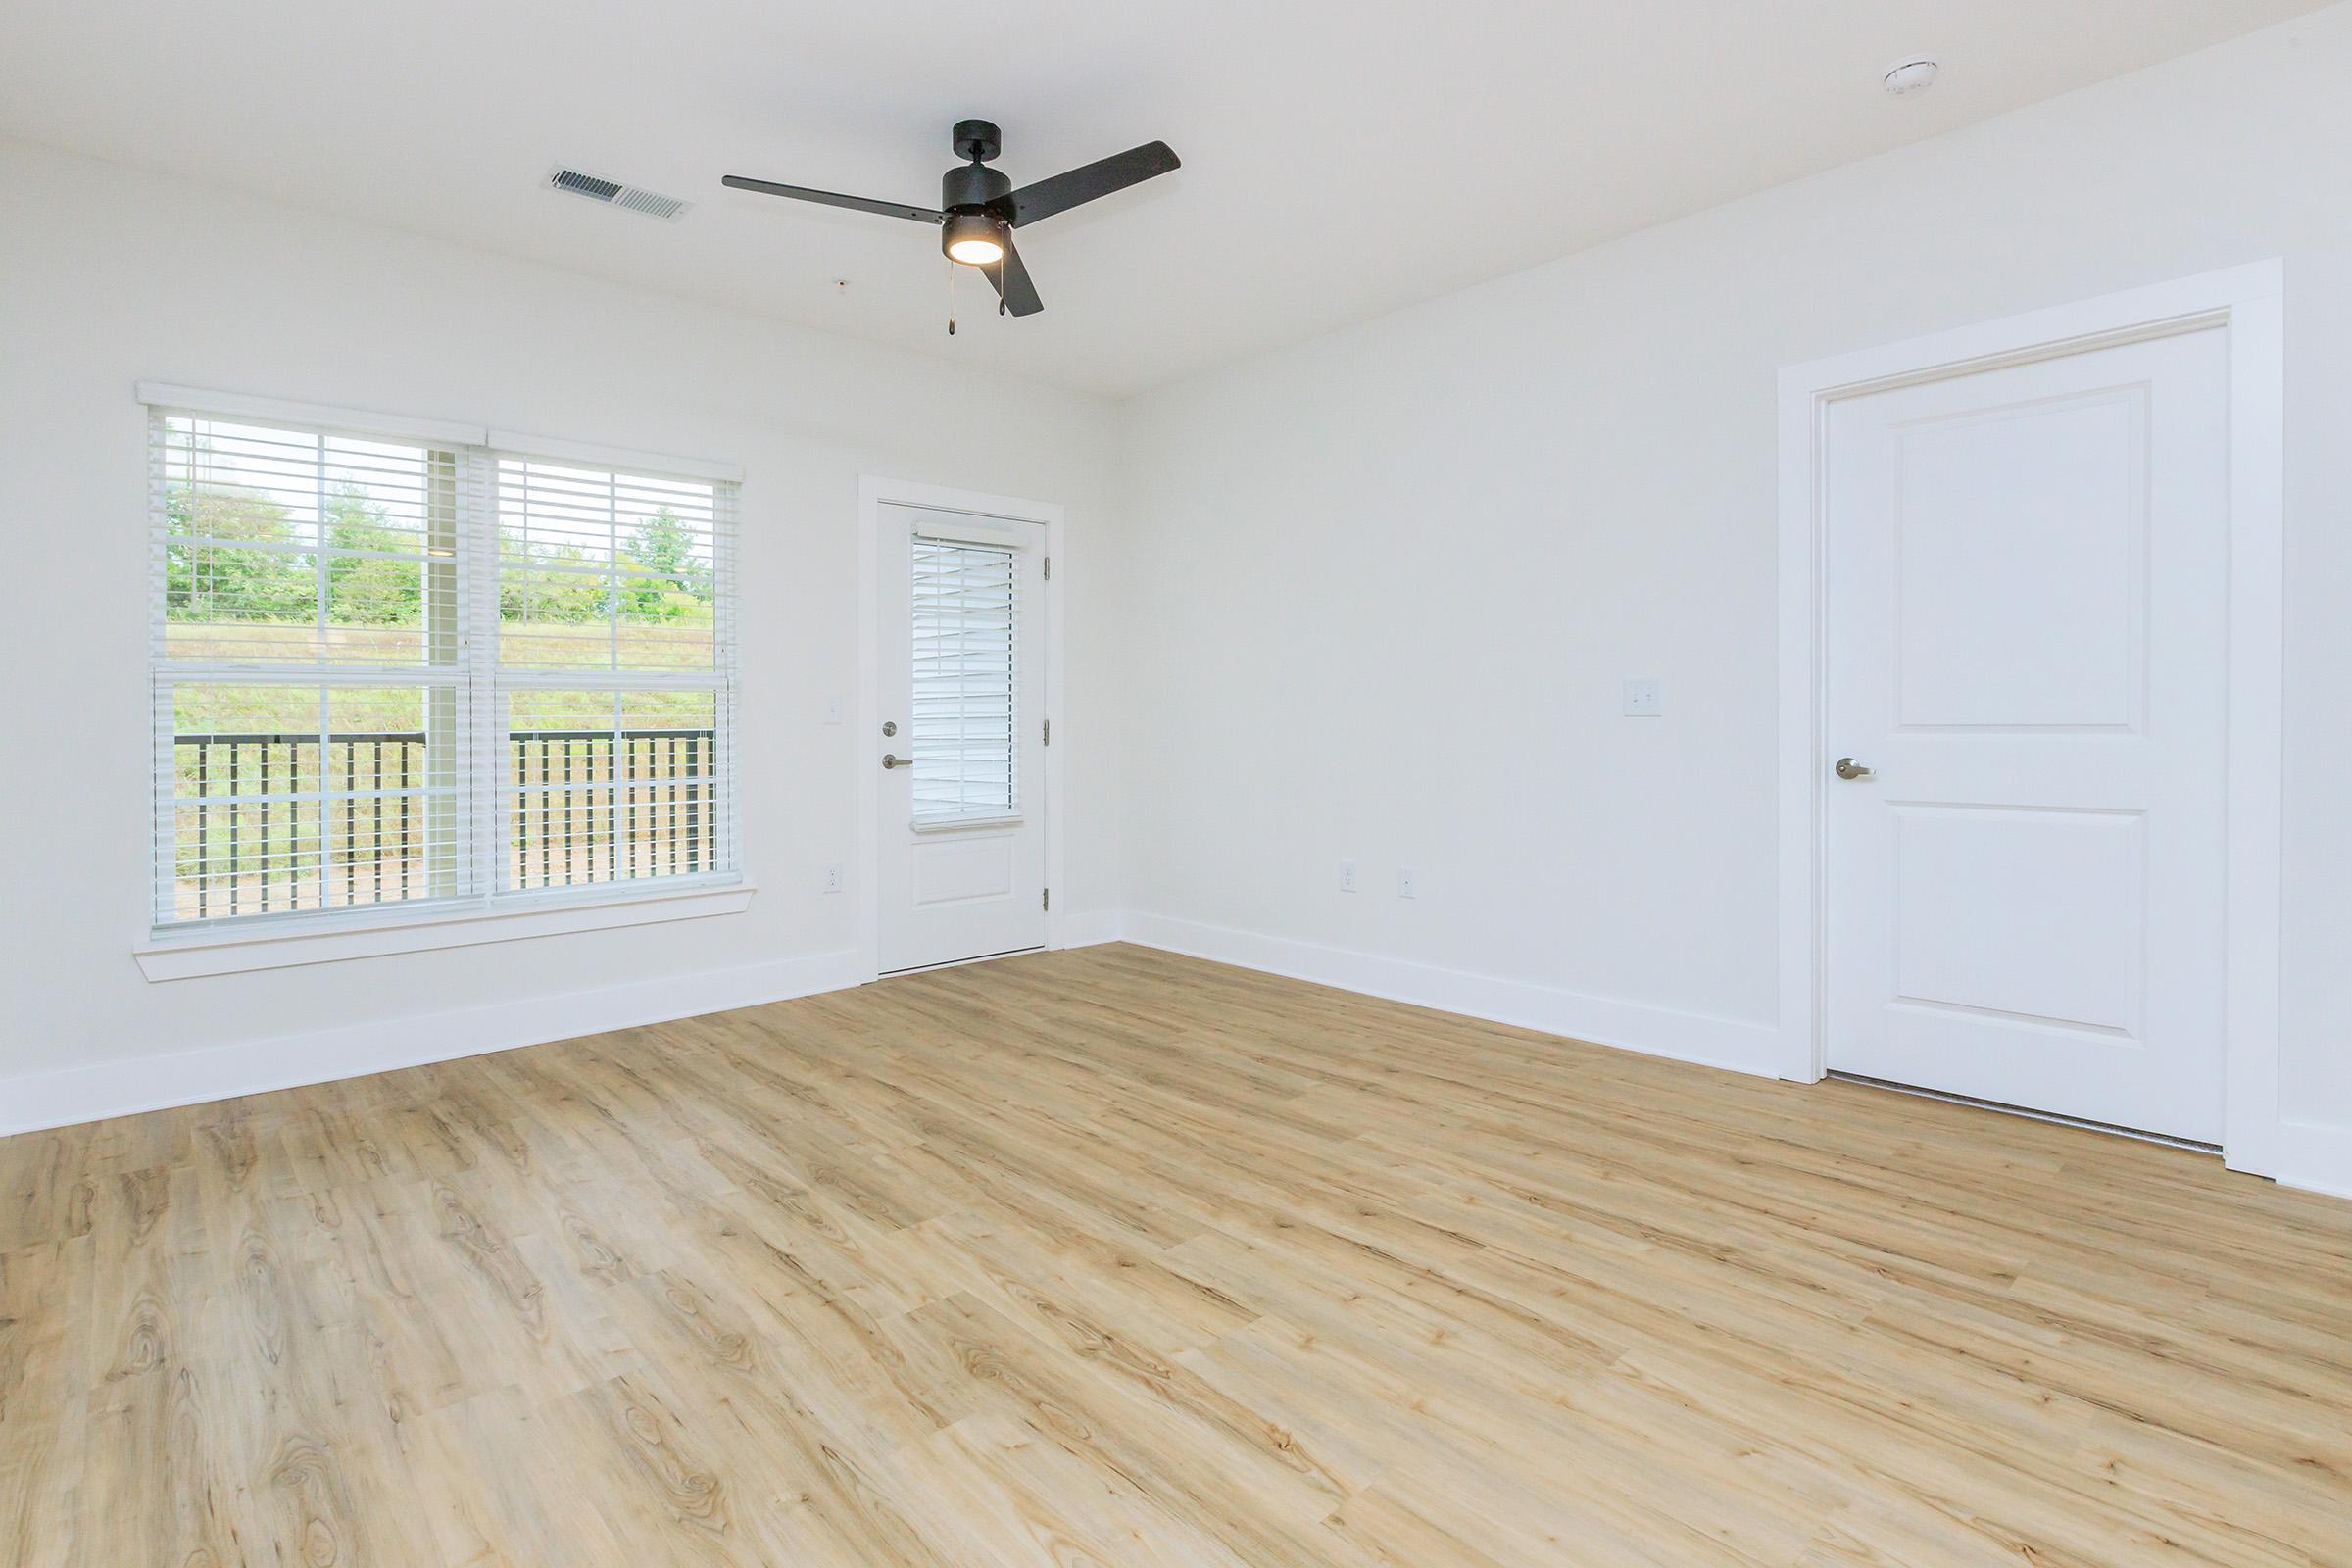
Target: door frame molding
point(2248, 301)
point(873, 494)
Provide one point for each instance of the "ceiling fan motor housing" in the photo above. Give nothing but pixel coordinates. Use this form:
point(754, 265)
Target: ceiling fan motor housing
point(968, 187)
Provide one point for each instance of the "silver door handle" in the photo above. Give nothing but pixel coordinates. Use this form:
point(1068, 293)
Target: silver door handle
point(889, 761)
point(1848, 768)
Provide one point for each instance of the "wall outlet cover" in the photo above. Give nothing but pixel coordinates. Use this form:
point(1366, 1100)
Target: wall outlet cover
point(1645, 697)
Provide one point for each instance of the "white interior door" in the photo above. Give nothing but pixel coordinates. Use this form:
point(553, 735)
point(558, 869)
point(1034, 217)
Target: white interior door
point(2028, 646)
point(959, 765)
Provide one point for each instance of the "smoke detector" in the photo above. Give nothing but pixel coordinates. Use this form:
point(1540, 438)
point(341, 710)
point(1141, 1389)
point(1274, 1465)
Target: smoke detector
point(1911, 75)
point(613, 193)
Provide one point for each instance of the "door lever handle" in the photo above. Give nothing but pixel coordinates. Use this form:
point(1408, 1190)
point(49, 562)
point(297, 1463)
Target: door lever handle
point(889, 761)
point(1848, 768)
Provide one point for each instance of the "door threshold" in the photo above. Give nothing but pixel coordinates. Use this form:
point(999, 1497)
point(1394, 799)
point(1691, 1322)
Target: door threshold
point(956, 964)
point(2142, 1135)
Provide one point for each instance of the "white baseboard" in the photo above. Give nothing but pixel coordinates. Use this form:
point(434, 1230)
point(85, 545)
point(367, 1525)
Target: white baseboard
point(2315, 1158)
point(1730, 1043)
point(74, 1094)
point(1086, 928)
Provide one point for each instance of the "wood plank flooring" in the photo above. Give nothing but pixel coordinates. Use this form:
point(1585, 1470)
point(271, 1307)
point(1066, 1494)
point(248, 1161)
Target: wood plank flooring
point(1114, 1258)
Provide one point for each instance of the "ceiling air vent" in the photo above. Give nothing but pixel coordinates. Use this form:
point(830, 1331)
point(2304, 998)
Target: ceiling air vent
point(613, 193)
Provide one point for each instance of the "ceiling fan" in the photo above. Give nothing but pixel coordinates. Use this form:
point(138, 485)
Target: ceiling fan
point(978, 208)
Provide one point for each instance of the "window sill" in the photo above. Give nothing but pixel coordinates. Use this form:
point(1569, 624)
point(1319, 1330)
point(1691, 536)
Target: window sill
point(279, 947)
point(965, 824)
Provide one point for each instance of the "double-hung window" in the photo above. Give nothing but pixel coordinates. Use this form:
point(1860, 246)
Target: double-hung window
point(402, 673)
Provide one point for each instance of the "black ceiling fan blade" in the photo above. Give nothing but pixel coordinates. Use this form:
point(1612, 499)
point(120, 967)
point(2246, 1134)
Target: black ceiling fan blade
point(1090, 180)
point(802, 194)
point(1011, 278)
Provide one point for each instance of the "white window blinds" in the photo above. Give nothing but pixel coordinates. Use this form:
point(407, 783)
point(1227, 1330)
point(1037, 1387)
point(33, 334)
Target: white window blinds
point(418, 673)
point(615, 674)
point(965, 601)
point(309, 673)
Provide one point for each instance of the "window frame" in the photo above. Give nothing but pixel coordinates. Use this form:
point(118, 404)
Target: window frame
point(488, 909)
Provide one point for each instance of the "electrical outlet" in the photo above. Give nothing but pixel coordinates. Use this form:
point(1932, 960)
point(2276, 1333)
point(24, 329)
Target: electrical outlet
point(832, 876)
point(1644, 699)
point(1408, 882)
point(1346, 876)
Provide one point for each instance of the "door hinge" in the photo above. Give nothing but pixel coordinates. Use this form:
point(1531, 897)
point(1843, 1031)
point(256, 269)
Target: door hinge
point(1048, 569)
point(1048, 732)
point(1047, 903)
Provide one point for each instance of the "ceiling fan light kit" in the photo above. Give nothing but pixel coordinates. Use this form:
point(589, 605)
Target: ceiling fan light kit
point(972, 238)
point(979, 208)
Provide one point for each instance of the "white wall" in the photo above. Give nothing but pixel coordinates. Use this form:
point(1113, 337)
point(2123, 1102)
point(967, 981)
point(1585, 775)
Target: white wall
point(1386, 584)
point(108, 277)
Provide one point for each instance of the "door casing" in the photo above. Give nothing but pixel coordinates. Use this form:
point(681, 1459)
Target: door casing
point(867, 745)
point(2248, 301)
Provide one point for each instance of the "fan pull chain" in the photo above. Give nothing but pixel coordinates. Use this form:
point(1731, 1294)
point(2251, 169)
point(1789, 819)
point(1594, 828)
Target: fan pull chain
point(951, 299)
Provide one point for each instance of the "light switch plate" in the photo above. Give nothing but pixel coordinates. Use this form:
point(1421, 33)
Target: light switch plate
point(1645, 697)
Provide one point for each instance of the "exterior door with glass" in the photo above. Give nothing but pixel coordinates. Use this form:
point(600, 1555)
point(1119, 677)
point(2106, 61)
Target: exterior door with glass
point(958, 763)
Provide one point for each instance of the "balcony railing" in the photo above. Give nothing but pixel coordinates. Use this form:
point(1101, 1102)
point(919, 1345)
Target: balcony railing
point(606, 807)
point(262, 827)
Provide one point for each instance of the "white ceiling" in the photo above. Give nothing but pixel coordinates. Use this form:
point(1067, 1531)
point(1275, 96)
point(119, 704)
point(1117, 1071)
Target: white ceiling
point(1340, 158)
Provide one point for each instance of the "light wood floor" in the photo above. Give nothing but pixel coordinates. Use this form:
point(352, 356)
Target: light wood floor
point(1112, 1257)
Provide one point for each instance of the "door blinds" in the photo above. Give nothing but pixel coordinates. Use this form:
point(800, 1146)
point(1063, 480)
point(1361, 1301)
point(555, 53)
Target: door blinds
point(965, 607)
